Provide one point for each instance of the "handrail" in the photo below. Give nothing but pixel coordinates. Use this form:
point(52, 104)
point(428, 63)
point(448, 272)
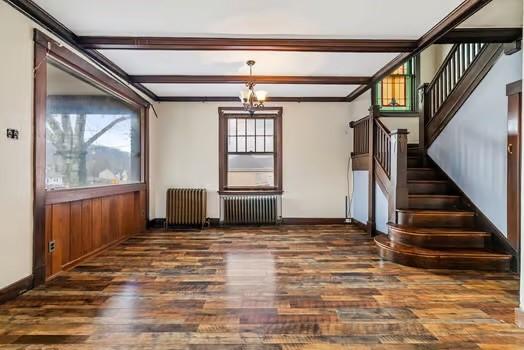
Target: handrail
point(382, 148)
point(448, 58)
point(360, 136)
point(357, 122)
point(460, 58)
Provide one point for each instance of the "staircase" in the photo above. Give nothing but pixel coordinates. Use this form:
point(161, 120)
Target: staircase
point(430, 225)
point(436, 230)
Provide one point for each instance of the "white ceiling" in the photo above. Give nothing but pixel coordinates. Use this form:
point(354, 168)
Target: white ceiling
point(136, 62)
point(273, 90)
point(396, 19)
point(498, 13)
point(335, 19)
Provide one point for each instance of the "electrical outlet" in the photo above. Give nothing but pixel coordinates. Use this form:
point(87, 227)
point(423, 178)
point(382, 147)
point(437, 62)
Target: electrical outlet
point(51, 246)
point(12, 134)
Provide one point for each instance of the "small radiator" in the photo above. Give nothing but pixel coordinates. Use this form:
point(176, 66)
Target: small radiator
point(186, 206)
point(250, 209)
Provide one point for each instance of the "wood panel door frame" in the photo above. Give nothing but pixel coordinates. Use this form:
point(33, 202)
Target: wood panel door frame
point(47, 49)
point(514, 162)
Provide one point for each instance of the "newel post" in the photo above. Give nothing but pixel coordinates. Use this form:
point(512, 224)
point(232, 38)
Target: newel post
point(399, 173)
point(374, 113)
point(423, 117)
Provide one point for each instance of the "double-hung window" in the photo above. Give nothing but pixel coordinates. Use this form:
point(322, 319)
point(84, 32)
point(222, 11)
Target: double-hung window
point(250, 151)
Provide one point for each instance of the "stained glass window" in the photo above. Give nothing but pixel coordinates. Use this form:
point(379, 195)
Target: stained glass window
point(396, 92)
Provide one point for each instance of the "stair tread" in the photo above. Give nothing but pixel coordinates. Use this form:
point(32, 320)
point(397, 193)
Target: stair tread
point(427, 181)
point(384, 242)
point(439, 211)
point(439, 230)
point(434, 195)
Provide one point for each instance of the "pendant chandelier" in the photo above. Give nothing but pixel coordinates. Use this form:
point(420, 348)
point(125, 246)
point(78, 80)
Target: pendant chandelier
point(251, 99)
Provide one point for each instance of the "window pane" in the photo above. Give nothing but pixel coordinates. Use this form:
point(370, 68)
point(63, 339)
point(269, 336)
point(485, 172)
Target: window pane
point(269, 127)
point(232, 126)
point(92, 138)
point(241, 144)
point(260, 126)
point(260, 144)
point(241, 126)
point(232, 144)
point(251, 127)
point(250, 170)
point(269, 144)
point(251, 144)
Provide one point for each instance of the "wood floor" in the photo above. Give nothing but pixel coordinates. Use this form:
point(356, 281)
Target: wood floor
point(289, 288)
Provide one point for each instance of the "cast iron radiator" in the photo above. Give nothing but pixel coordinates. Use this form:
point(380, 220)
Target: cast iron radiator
point(186, 206)
point(249, 209)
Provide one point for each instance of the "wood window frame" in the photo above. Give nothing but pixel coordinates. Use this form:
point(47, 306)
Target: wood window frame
point(411, 90)
point(224, 113)
point(47, 49)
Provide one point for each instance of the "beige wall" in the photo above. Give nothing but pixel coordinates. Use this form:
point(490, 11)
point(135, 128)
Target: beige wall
point(16, 95)
point(410, 123)
point(316, 145)
point(16, 156)
point(430, 61)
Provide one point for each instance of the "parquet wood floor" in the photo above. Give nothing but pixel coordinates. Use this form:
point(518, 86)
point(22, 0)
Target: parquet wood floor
point(282, 288)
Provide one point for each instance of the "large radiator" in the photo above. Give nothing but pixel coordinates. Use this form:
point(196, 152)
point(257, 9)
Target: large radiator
point(250, 209)
point(186, 206)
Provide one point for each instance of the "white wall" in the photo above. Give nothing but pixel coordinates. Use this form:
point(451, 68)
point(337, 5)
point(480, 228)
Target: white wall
point(409, 123)
point(16, 157)
point(472, 147)
point(381, 210)
point(317, 142)
point(360, 202)
point(16, 99)
point(430, 61)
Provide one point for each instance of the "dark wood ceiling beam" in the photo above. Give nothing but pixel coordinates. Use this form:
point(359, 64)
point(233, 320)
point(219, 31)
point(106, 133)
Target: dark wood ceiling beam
point(246, 44)
point(481, 35)
point(259, 79)
point(40, 16)
point(235, 99)
point(465, 10)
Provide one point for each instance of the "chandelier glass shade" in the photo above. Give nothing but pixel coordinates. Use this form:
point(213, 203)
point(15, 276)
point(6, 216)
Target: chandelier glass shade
point(252, 100)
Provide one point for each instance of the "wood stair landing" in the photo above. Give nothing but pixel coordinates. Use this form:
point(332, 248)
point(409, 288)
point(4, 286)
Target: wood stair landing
point(474, 259)
point(436, 231)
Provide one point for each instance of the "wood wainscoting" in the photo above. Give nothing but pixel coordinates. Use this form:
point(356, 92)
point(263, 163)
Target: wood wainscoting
point(85, 227)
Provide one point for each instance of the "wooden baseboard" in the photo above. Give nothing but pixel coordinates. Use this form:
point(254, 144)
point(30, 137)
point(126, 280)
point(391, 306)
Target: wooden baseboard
point(15, 289)
point(313, 221)
point(70, 265)
point(498, 241)
point(519, 317)
point(214, 222)
point(156, 223)
point(359, 224)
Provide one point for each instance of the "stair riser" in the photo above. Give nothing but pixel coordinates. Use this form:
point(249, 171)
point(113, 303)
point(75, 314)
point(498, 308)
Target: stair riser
point(482, 264)
point(434, 203)
point(414, 162)
point(435, 240)
point(430, 220)
point(428, 188)
point(414, 174)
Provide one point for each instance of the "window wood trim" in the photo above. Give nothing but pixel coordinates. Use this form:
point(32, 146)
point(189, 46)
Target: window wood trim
point(46, 50)
point(235, 112)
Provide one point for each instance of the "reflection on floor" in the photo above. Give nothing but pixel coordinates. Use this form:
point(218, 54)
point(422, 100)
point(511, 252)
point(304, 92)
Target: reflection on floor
point(289, 287)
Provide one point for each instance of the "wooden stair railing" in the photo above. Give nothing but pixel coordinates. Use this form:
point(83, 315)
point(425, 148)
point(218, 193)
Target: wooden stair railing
point(391, 157)
point(462, 70)
point(455, 65)
point(359, 155)
point(387, 160)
